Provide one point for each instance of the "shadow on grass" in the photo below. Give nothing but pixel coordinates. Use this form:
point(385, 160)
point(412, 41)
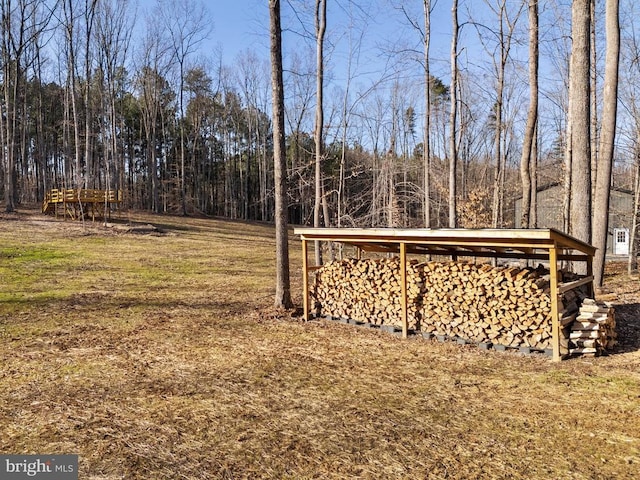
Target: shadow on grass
point(628, 328)
point(162, 227)
point(224, 228)
point(114, 304)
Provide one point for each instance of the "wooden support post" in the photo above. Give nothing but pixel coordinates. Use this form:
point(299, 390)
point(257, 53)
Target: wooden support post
point(305, 280)
point(403, 284)
point(592, 291)
point(555, 310)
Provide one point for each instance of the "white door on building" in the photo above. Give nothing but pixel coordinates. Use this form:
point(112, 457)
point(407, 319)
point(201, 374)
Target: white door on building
point(621, 241)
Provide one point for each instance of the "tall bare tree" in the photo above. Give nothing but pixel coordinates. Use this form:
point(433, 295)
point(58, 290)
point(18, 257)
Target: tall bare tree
point(321, 27)
point(89, 14)
point(71, 53)
point(632, 263)
point(152, 87)
point(528, 161)
point(631, 60)
point(21, 25)
point(453, 92)
point(580, 120)
point(188, 25)
point(255, 88)
point(283, 287)
point(498, 46)
point(425, 32)
point(426, 142)
point(113, 31)
point(300, 92)
point(607, 139)
point(348, 107)
point(12, 31)
point(594, 97)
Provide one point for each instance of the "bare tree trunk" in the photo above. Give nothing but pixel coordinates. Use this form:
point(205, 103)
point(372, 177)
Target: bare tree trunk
point(4, 157)
point(579, 93)
point(528, 148)
point(343, 149)
point(505, 36)
point(497, 145)
point(453, 147)
point(149, 80)
point(426, 145)
point(594, 99)
point(533, 221)
point(7, 122)
point(18, 32)
point(43, 181)
point(607, 140)
point(90, 10)
point(635, 223)
point(567, 163)
point(325, 213)
point(149, 106)
point(391, 162)
point(321, 24)
point(283, 288)
point(71, 73)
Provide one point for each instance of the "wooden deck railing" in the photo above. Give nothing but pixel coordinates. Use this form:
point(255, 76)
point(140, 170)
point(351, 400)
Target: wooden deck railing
point(73, 197)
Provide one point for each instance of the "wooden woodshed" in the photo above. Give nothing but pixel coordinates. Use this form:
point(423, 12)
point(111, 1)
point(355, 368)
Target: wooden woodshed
point(548, 246)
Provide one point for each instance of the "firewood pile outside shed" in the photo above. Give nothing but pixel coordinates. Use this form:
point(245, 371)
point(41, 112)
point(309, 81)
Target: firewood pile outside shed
point(443, 283)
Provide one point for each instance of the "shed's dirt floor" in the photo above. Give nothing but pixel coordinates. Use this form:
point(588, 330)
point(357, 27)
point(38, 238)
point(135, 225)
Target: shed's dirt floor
point(149, 347)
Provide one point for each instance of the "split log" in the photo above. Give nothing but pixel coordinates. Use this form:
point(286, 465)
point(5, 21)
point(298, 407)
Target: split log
point(593, 330)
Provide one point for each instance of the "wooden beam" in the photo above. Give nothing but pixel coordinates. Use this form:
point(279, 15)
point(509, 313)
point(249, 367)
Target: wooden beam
point(592, 291)
point(463, 251)
point(305, 280)
point(570, 242)
point(488, 254)
point(403, 285)
point(374, 247)
point(555, 310)
point(565, 287)
point(453, 243)
point(507, 238)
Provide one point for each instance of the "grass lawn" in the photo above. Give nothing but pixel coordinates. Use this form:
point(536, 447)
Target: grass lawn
point(157, 355)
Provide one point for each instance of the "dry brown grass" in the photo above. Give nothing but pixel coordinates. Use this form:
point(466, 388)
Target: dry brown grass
point(158, 356)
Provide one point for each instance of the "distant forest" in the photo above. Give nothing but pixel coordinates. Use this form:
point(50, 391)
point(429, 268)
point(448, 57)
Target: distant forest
point(96, 96)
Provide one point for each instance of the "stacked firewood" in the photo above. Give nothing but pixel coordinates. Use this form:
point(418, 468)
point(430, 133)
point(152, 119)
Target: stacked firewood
point(593, 329)
point(508, 306)
point(368, 291)
point(569, 304)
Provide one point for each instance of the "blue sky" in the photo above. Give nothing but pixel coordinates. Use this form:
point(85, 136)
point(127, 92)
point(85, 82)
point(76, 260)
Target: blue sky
point(243, 24)
point(237, 25)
